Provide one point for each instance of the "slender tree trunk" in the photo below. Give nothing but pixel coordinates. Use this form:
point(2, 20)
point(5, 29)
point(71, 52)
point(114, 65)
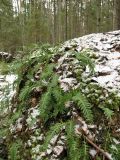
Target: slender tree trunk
point(22, 23)
point(98, 15)
point(54, 41)
point(66, 19)
point(116, 19)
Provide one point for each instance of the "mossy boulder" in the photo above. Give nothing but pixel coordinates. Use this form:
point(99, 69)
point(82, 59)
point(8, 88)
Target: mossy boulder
point(67, 101)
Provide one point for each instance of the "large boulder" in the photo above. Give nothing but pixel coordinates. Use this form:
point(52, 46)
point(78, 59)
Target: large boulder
point(67, 101)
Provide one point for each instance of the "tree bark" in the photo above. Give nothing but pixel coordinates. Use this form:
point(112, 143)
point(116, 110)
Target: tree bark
point(54, 41)
point(116, 19)
point(66, 20)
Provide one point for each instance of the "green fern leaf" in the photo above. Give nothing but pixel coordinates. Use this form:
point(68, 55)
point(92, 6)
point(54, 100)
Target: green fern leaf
point(45, 105)
point(84, 105)
point(108, 112)
point(13, 150)
point(85, 60)
point(54, 130)
point(84, 151)
point(72, 142)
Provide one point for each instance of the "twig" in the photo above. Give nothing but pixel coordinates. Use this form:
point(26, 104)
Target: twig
point(106, 154)
point(85, 133)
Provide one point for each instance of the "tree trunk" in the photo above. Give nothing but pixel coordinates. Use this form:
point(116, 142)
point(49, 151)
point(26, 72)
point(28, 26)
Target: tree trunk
point(66, 20)
point(116, 20)
point(55, 22)
point(98, 15)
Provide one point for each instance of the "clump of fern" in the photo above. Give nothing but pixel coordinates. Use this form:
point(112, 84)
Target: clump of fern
point(52, 100)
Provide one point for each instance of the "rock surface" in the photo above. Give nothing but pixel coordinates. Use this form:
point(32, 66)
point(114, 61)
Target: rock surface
point(6, 56)
point(6, 85)
point(106, 48)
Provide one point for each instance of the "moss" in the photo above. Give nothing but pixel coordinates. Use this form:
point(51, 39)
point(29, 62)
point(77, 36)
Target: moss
point(4, 68)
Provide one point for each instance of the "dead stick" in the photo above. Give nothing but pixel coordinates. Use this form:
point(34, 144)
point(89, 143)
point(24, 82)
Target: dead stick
point(80, 121)
point(98, 148)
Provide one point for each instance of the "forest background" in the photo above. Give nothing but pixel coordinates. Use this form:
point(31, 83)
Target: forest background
point(24, 23)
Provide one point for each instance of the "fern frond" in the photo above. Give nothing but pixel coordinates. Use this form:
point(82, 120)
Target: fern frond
point(84, 105)
point(59, 101)
point(72, 142)
point(108, 112)
point(54, 81)
point(84, 151)
point(13, 150)
point(48, 71)
point(52, 102)
point(54, 130)
point(85, 60)
point(45, 105)
point(25, 92)
point(115, 151)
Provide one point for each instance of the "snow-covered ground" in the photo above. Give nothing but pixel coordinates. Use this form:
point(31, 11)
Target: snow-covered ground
point(106, 47)
point(7, 89)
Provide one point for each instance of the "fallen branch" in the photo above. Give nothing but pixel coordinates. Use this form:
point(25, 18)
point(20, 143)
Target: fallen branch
point(105, 154)
point(82, 129)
